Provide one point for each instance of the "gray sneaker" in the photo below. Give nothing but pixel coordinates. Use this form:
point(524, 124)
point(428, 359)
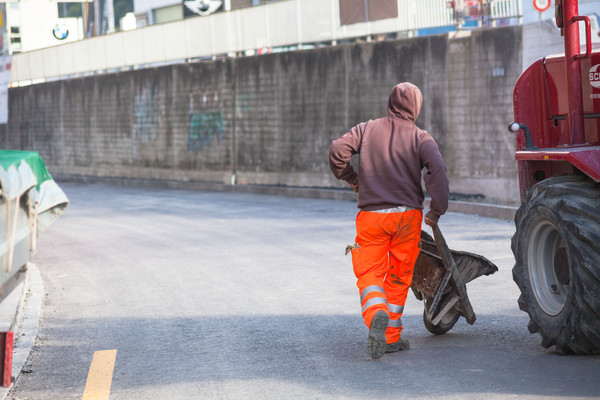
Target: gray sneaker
point(376, 343)
point(401, 344)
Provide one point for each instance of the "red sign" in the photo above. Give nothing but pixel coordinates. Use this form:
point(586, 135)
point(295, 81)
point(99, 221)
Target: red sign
point(542, 5)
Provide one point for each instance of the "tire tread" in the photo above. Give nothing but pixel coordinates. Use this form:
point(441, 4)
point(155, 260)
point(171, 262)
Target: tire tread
point(575, 203)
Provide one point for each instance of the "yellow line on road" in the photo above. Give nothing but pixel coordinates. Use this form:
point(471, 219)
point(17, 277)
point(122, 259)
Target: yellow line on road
point(100, 376)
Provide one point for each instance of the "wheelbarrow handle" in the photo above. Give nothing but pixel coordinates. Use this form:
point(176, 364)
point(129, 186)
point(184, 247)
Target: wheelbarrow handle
point(442, 247)
point(456, 281)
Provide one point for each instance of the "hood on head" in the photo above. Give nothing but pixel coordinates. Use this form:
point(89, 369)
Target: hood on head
point(405, 101)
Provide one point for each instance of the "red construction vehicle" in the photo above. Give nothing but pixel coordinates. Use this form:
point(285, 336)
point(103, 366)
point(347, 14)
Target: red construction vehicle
point(557, 239)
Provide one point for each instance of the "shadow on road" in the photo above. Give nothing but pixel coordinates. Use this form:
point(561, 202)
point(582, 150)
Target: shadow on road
point(321, 356)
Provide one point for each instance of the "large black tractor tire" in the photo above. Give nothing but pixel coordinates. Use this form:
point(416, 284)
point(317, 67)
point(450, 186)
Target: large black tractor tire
point(557, 269)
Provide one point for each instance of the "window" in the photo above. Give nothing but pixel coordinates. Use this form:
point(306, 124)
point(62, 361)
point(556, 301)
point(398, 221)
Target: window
point(355, 11)
point(167, 14)
point(70, 10)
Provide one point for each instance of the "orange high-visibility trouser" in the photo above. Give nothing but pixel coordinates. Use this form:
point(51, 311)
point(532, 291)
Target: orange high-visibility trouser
point(384, 263)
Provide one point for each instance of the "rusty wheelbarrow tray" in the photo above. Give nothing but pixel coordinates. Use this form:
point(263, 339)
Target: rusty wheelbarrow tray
point(440, 279)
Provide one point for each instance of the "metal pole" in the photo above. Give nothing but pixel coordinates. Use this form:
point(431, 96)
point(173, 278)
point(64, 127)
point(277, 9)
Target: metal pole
point(367, 20)
point(97, 16)
point(574, 88)
point(110, 15)
point(234, 66)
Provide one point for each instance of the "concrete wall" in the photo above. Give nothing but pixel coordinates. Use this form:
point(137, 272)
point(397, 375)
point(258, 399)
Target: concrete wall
point(541, 39)
point(270, 119)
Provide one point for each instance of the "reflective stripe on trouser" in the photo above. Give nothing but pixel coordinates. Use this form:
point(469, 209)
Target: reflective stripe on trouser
point(384, 263)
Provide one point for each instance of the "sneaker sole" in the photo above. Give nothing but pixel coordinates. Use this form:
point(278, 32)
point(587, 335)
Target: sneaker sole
point(377, 342)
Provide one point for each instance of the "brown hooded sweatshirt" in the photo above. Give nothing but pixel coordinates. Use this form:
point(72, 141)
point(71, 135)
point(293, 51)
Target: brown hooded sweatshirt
point(393, 151)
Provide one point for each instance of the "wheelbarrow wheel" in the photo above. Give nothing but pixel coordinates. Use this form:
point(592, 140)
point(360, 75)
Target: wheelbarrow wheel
point(446, 323)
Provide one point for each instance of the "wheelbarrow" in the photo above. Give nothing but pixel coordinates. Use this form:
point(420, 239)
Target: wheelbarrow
point(440, 279)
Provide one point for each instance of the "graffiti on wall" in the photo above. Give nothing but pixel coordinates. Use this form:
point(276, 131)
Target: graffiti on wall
point(206, 123)
point(147, 116)
point(243, 102)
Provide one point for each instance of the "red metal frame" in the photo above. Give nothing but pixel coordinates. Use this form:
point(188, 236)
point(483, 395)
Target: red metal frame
point(586, 159)
point(554, 97)
point(573, 64)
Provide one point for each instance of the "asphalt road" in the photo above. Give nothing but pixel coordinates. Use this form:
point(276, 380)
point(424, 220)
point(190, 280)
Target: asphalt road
point(243, 296)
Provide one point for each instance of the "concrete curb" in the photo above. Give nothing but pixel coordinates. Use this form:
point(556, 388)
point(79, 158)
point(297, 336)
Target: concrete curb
point(25, 323)
point(466, 207)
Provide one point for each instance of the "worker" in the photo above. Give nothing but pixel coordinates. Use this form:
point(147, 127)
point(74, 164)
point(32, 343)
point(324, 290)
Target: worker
point(392, 151)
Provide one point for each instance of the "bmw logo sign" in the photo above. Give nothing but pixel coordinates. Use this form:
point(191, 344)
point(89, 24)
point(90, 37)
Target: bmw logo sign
point(60, 32)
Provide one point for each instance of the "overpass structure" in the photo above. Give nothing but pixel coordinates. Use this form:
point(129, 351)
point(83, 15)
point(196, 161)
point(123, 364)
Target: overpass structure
point(285, 25)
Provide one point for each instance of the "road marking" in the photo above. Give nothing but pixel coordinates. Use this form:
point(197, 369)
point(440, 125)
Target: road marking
point(100, 376)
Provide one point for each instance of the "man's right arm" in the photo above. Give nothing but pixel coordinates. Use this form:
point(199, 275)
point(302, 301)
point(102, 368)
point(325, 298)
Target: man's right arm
point(340, 153)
